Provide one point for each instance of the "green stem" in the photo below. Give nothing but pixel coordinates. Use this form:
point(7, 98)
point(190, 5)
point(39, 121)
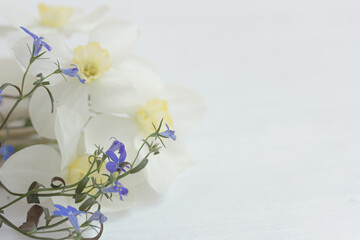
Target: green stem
point(53, 225)
point(138, 152)
point(23, 79)
point(10, 224)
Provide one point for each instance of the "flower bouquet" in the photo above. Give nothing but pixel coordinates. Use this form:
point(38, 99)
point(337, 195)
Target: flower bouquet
point(83, 130)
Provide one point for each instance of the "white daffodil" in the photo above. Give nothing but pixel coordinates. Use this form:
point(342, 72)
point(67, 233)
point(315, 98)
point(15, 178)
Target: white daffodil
point(111, 74)
point(179, 107)
point(71, 164)
point(60, 19)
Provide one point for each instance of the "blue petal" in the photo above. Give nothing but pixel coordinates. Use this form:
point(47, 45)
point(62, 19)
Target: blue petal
point(73, 220)
point(30, 33)
point(112, 156)
point(111, 189)
point(122, 156)
point(111, 167)
point(46, 45)
point(80, 79)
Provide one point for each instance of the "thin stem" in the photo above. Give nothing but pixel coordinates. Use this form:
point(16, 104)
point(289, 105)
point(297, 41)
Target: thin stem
point(10, 112)
point(57, 230)
point(53, 225)
point(138, 152)
point(10, 224)
point(23, 79)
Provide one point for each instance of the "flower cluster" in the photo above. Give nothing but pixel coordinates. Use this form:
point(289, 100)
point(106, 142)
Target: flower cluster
point(69, 103)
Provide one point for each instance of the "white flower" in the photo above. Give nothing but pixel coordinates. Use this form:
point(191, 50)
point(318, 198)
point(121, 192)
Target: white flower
point(52, 18)
point(113, 77)
point(180, 108)
point(41, 163)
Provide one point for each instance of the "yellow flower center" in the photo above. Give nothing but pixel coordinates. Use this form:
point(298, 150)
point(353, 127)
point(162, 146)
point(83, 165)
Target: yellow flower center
point(92, 61)
point(152, 113)
point(54, 16)
point(78, 169)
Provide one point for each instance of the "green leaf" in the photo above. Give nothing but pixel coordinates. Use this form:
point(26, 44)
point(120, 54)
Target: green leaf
point(140, 166)
point(85, 206)
point(47, 215)
point(81, 185)
point(33, 198)
point(80, 197)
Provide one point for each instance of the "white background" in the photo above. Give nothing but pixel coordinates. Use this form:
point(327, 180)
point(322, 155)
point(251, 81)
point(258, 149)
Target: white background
point(278, 151)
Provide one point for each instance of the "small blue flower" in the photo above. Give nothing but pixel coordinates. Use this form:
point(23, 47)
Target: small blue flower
point(6, 151)
point(115, 161)
point(38, 42)
point(168, 133)
point(117, 188)
point(72, 72)
point(0, 94)
point(98, 216)
point(80, 79)
point(70, 213)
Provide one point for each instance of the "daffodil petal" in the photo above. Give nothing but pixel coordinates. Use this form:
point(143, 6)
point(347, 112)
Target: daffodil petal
point(124, 35)
point(101, 128)
point(15, 14)
point(86, 22)
point(186, 107)
point(68, 127)
point(36, 163)
point(70, 93)
point(163, 168)
point(126, 86)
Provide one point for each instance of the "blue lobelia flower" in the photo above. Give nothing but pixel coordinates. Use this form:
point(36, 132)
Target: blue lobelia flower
point(119, 188)
point(72, 72)
point(168, 133)
point(38, 42)
point(6, 151)
point(70, 213)
point(0, 94)
point(98, 216)
point(116, 161)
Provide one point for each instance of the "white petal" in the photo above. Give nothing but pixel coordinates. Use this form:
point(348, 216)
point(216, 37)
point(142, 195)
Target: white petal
point(186, 107)
point(12, 73)
point(124, 35)
point(36, 163)
point(15, 14)
point(68, 127)
point(162, 169)
point(88, 22)
point(70, 93)
point(101, 128)
point(47, 63)
point(130, 84)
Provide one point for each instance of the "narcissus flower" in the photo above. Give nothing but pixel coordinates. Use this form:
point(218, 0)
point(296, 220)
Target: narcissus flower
point(178, 107)
point(59, 19)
